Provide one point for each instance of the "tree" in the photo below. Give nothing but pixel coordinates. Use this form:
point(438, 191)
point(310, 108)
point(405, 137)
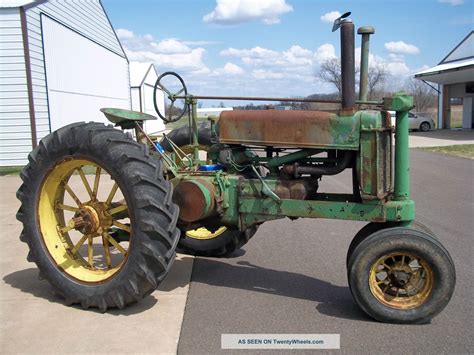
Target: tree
point(376, 79)
point(330, 72)
point(424, 96)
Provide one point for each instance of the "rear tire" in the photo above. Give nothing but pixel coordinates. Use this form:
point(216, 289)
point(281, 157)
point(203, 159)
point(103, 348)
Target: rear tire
point(147, 196)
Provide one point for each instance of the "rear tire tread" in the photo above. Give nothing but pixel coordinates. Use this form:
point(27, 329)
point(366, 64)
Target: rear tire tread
point(154, 251)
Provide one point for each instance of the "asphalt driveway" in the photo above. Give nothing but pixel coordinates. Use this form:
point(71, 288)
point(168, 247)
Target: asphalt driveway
point(291, 277)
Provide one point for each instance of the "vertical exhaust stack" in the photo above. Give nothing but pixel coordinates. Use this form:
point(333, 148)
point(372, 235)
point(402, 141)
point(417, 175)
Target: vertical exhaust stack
point(347, 61)
point(364, 61)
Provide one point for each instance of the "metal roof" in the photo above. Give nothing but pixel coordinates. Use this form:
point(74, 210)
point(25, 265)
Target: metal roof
point(15, 3)
point(449, 73)
point(464, 50)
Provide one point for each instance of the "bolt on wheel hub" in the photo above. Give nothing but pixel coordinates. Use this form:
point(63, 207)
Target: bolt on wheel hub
point(400, 280)
point(86, 220)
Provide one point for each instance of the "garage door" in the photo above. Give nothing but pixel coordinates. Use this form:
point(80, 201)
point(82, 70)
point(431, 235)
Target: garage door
point(82, 76)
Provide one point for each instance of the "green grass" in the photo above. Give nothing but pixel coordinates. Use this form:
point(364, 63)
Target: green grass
point(10, 170)
point(461, 150)
point(15, 170)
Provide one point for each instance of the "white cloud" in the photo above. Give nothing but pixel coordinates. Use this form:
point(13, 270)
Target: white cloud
point(231, 12)
point(452, 2)
point(397, 68)
point(123, 33)
point(170, 46)
point(266, 74)
point(199, 43)
point(325, 52)
point(330, 16)
point(394, 64)
point(229, 69)
point(191, 61)
point(401, 47)
point(167, 54)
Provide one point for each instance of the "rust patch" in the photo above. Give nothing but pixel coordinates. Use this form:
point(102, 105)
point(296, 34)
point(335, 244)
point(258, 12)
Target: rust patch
point(196, 200)
point(276, 128)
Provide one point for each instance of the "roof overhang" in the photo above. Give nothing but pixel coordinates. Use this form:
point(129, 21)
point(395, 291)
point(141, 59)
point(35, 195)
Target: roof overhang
point(449, 73)
point(16, 3)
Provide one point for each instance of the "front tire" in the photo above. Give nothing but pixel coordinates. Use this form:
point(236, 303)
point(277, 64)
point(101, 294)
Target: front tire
point(373, 227)
point(69, 223)
point(401, 275)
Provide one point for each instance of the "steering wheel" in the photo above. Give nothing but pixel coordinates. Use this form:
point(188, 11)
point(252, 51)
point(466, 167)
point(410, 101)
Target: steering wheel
point(171, 96)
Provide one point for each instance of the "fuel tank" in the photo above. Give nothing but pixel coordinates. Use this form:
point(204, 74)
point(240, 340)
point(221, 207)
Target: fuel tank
point(299, 129)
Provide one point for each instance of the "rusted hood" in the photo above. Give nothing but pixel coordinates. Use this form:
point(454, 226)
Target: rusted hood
point(288, 129)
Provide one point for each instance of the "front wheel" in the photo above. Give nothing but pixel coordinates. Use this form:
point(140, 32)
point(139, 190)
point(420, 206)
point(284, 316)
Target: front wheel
point(97, 216)
point(401, 275)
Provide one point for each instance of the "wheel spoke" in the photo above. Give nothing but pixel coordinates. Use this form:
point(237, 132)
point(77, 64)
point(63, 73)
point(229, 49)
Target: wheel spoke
point(96, 182)
point(403, 260)
point(79, 244)
point(66, 207)
point(115, 244)
point(85, 182)
point(66, 229)
point(122, 226)
point(398, 291)
point(72, 194)
point(179, 92)
point(105, 243)
point(386, 266)
point(118, 209)
point(90, 251)
point(170, 109)
point(165, 90)
point(112, 193)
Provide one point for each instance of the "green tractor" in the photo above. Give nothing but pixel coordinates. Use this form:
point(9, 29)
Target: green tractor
point(104, 209)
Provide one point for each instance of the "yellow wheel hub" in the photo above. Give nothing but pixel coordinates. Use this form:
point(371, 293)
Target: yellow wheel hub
point(73, 210)
point(204, 234)
point(401, 280)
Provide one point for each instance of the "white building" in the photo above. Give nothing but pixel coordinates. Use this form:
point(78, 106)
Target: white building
point(212, 111)
point(455, 78)
point(142, 81)
point(60, 62)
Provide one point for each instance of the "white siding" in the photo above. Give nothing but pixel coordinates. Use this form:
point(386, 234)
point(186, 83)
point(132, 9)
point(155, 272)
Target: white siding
point(88, 22)
point(15, 130)
point(135, 95)
point(82, 80)
point(88, 19)
point(149, 107)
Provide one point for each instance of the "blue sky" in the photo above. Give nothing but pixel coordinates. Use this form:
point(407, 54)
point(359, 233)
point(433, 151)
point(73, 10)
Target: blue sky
point(274, 47)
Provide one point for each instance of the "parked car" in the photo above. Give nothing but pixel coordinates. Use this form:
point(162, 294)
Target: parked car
point(416, 121)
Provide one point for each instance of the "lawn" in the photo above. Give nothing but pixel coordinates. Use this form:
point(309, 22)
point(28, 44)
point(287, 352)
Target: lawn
point(10, 170)
point(461, 150)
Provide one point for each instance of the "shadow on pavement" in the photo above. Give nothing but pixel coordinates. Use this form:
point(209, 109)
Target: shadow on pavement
point(335, 301)
point(27, 281)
